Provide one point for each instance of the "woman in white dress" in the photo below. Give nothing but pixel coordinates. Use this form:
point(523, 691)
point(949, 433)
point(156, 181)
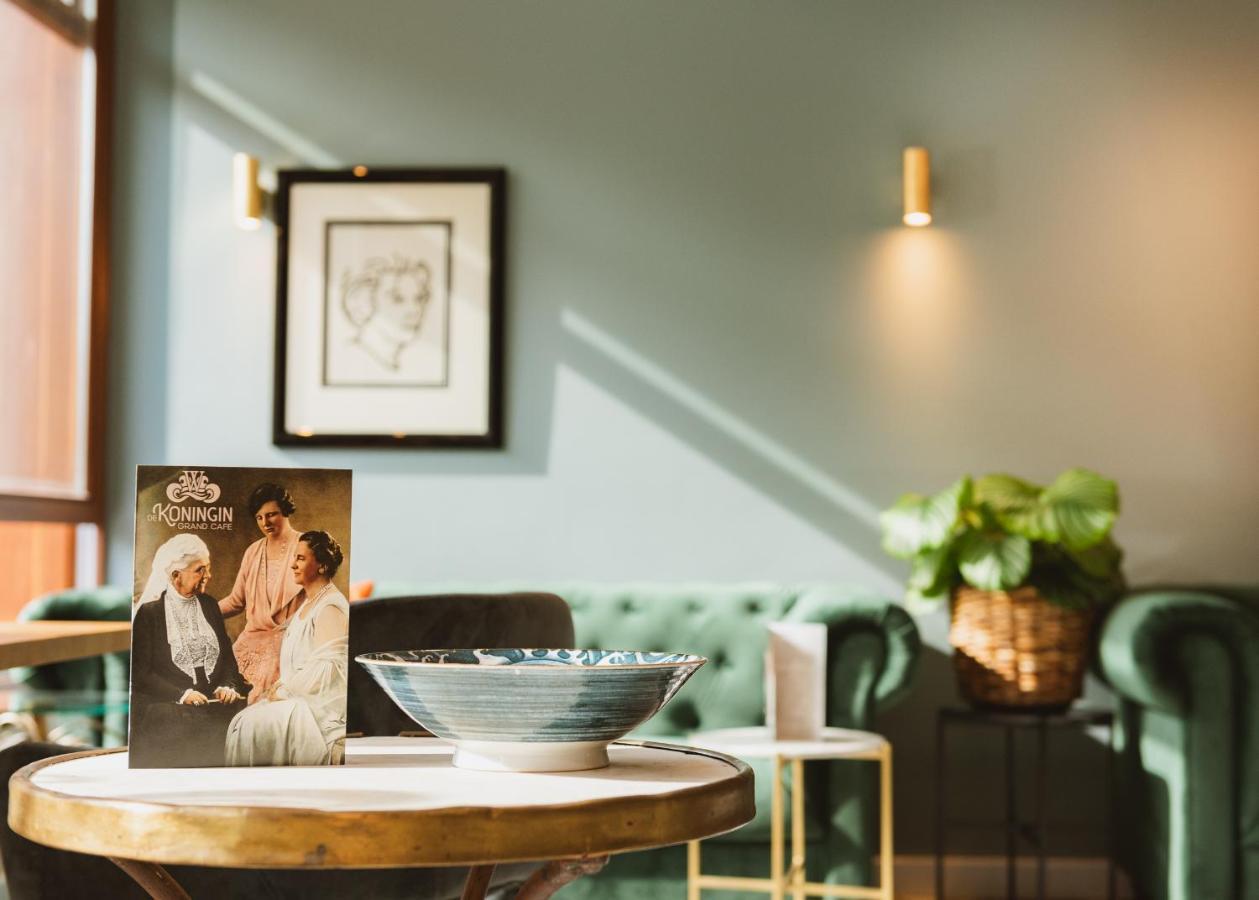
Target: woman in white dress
point(300, 720)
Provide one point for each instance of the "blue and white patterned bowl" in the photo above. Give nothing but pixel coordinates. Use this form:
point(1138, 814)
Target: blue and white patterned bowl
point(525, 710)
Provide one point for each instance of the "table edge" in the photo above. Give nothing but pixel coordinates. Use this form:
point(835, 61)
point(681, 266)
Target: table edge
point(302, 837)
point(872, 745)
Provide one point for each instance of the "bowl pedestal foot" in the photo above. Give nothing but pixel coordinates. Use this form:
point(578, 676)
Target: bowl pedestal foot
point(531, 756)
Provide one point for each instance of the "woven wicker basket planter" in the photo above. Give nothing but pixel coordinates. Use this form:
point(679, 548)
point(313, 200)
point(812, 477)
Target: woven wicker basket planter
point(1015, 649)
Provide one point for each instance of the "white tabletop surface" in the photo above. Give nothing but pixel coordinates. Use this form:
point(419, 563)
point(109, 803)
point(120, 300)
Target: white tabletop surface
point(385, 773)
point(758, 742)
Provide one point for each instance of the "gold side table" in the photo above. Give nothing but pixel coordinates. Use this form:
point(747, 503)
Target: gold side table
point(835, 743)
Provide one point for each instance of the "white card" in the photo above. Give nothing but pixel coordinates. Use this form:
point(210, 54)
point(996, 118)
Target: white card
point(795, 680)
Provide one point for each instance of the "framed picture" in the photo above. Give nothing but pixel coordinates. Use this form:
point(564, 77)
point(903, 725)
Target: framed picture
point(389, 314)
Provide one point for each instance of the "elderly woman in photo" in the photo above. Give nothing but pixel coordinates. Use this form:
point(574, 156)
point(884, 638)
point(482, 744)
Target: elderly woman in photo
point(300, 720)
point(185, 684)
point(263, 589)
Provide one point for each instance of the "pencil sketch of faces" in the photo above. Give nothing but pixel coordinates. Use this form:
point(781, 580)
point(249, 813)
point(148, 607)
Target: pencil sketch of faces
point(385, 301)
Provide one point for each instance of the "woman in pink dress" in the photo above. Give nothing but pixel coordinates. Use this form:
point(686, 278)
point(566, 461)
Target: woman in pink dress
point(262, 591)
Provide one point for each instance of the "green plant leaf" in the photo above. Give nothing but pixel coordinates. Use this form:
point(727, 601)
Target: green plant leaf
point(916, 523)
point(1080, 508)
point(1059, 574)
point(931, 571)
point(1099, 561)
point(992, 561)
point(1015, 503)
point(921, 602)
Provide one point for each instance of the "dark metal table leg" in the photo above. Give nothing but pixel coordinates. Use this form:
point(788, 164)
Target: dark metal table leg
point(1042, 829)
point(1111, 801)
point(557, 873)
point(152, 878)
point(1011, 820)
point(940, 794)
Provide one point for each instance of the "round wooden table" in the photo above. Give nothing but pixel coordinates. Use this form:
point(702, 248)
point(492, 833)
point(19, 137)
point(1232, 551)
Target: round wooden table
point(396, 802)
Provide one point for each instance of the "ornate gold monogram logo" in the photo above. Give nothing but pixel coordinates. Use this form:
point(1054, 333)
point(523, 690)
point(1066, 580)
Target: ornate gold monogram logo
point(195, 484)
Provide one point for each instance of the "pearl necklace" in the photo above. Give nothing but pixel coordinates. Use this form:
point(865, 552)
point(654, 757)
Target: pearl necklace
point(311, 601)
point(266, 574)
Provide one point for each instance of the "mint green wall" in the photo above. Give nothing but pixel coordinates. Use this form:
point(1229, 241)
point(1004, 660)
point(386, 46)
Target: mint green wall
point(140, 264)
point(724, 354)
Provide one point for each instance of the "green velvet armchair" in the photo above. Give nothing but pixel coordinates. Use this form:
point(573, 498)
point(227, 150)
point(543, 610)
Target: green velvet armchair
point(79, 691)
point(1185, 665)
point(872, 652)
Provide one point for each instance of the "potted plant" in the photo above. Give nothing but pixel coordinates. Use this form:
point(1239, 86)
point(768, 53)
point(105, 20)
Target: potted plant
point(1026, 569)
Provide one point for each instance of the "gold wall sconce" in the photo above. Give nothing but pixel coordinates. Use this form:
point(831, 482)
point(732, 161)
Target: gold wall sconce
point(917, 177)
point(251, 203)
point(248, 198)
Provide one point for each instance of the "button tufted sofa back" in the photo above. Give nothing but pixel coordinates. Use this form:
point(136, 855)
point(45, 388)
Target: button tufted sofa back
point(871, 648)
point(723, 623)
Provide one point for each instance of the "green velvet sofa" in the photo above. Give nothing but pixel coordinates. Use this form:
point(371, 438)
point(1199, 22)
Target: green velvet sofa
point(872, 653)
point(1185, 666)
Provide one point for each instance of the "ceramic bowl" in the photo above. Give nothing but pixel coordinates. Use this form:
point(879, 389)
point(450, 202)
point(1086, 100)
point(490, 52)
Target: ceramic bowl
point(525, 710)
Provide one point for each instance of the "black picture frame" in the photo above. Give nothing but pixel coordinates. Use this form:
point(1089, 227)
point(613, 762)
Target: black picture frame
point(495, 179)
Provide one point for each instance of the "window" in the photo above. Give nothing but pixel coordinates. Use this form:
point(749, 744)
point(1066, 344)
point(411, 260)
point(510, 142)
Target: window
point(54, 78)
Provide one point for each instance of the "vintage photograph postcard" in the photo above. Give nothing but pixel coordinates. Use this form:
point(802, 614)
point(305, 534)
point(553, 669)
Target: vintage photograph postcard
point(240, 622)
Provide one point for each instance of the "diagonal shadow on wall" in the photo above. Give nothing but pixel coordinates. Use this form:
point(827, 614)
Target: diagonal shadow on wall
point(722, 436)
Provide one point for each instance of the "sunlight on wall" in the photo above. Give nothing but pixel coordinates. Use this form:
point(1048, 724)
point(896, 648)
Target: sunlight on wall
point(213, 306)
point(918, 289)
point(261, 121)
point(721, 418)
point(917, 311)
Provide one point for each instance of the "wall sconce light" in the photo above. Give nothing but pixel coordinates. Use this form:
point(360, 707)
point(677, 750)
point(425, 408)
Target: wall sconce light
point(247, 196)
point(917, 187)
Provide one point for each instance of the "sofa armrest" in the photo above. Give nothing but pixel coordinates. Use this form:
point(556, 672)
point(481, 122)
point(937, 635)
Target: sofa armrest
point(1185, 665)
point(872, 652)
point(1139, 650)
